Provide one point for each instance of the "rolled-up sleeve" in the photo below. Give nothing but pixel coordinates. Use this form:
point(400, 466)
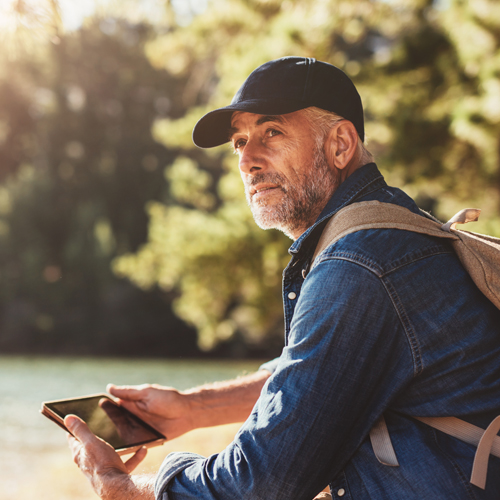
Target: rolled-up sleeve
point(270, 366)
point(345, 360)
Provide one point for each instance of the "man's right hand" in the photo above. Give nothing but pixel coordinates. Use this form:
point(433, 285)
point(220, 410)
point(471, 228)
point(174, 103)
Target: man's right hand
point(164, 408)
point(174, 413)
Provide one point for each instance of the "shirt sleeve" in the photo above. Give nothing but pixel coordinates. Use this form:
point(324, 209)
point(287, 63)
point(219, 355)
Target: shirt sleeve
point(346, 358)
point(270, 366)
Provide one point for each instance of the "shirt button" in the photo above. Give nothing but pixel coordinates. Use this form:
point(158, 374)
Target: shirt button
point(292, 295)
point(341, 492)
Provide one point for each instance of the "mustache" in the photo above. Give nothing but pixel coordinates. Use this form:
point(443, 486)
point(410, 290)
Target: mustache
point(272, 178)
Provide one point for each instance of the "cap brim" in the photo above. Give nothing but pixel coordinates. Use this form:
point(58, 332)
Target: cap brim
point(213, 129)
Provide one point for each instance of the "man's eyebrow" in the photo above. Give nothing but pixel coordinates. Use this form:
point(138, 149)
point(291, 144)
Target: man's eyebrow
point(270, 118)
point(231, 132)
point(260, 121)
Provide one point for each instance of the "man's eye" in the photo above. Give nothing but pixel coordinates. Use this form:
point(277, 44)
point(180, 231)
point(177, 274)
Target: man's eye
point(239, 143)
point(272, 132)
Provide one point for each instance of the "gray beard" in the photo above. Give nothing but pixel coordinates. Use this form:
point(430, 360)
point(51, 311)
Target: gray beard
point(301, 204)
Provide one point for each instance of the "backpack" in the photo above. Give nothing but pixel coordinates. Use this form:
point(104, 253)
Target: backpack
point(480, 256)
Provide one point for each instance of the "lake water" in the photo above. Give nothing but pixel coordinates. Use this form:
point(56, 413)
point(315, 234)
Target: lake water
point(34, 458)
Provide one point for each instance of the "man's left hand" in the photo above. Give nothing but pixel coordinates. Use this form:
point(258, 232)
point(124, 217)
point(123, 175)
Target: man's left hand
point(108, 475)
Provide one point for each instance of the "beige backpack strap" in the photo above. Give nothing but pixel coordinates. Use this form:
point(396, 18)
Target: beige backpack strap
point(460, 429)
point(484, 449)
point(376, 215)
point(487, 442)
point(382, 444)
point(478, 253)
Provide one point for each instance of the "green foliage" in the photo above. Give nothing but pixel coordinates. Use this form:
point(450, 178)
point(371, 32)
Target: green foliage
point(437, 98)
point(226, 269)
point(429, 79)
point(78, 166)
point(96, 125)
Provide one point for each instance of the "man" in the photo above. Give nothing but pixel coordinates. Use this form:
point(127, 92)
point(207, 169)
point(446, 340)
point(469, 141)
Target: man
point(384, 322)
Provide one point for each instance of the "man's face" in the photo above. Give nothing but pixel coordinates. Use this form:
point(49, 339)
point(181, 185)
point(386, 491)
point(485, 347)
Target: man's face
point(287, 178)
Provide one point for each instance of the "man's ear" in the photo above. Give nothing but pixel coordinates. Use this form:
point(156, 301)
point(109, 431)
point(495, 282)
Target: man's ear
point(340, 144)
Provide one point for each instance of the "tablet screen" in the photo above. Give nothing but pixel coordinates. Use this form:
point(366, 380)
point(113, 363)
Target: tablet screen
point(108, 420)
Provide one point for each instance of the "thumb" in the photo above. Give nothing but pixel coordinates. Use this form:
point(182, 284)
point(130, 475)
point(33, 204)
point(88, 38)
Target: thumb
point(78, 428)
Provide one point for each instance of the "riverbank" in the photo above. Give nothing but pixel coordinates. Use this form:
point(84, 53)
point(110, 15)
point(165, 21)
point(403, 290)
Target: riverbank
point(35, 461)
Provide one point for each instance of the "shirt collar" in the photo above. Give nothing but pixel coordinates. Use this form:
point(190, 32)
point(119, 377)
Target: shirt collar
point(360, 182)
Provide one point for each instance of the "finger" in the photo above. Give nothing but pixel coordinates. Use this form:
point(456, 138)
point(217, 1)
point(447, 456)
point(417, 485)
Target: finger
point(131, 393)
point(136, 459)
point(137, 408)
point(113, 411)
point(78, 428)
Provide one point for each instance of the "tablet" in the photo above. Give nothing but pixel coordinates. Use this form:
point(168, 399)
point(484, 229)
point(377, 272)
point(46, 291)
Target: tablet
point(123, 430)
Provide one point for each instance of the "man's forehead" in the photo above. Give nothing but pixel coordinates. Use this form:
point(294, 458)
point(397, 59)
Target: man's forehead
point(255, 118)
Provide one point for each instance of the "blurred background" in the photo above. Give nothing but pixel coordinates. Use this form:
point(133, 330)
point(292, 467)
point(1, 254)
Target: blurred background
point(120, 240)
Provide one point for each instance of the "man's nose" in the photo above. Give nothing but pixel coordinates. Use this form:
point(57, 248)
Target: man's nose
point(252, 157)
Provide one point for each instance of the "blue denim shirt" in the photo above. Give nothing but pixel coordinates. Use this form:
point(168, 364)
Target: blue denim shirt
point(387, 322)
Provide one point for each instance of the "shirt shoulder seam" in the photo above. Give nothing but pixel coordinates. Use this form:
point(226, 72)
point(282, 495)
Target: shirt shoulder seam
point(396, 304)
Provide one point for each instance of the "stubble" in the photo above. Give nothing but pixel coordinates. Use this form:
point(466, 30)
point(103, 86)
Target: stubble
point(301, 201)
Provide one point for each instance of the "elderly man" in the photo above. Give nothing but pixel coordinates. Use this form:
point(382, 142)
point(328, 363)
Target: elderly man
point(383, 322)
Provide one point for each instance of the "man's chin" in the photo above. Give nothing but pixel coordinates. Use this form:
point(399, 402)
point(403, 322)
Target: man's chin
point(266, 219)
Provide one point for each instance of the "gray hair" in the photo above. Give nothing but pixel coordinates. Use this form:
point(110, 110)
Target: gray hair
point(322, 121)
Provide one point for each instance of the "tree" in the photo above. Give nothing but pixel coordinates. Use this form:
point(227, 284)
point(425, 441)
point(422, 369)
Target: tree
point(80, 165)
point(413, 70)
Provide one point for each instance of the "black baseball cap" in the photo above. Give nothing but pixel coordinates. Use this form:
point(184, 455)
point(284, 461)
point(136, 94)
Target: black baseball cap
point(283, 86)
